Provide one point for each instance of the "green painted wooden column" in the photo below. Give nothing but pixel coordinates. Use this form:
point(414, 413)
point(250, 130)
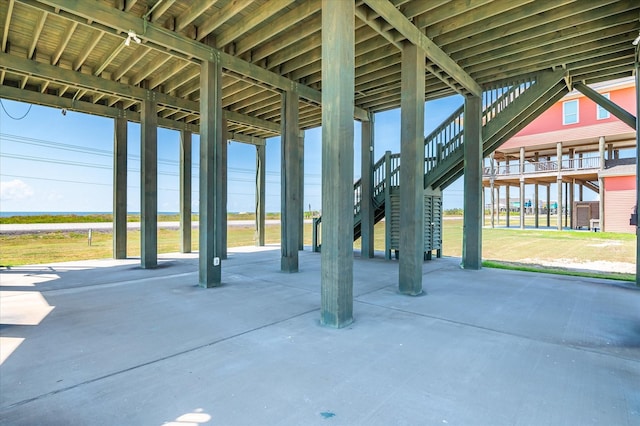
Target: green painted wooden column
point(120, 186)
point(366, 177)
point(211, 140)
point(338, 57)
point(472, 226)
point(290, 182)
point(149, 182)
point(222, 167)
point(185, 191)
point(412, 170)
point(301, 192)
point(260, 193)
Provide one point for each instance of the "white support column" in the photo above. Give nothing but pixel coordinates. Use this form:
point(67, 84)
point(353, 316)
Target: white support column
point(507, 200)
point(290, 182)
point(338, 62)
point(472, 231)
point(536, 196)
point(149, 183)
point(211, 140)
point(522, 198)
point(492, 179)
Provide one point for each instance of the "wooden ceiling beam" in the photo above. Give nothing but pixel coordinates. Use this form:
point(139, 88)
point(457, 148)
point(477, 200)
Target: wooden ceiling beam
point(7, 22)
point(181, 79)
point(161, 9)
point(195, 9)
point(169, 72)
point(104, 62)
point(36, 34)
point(149, 69)
point(262, 14)
point(220, 17)
point(266, 32)
point(65, 41)
point(86, 82)
point(515, 44)
point(291, 37)
point(135, 56)
point(562, 17)
point(502, 13)
point(580, 43)
point(86, 50)
point(171, 43)
point(431, 50)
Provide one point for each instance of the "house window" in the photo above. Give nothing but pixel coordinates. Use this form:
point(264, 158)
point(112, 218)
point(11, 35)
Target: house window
point(602, 113)
point(570, 112)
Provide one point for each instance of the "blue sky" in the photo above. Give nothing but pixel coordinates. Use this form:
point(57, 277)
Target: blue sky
point(51, 162)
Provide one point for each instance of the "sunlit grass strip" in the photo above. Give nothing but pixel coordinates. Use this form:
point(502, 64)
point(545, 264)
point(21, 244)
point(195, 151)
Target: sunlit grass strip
point(558, 271)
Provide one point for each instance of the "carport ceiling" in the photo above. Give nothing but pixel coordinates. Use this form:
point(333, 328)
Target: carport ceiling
point(73, 53)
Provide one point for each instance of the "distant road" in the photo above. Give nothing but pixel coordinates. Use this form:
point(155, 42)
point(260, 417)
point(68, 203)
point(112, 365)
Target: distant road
point(26, 228)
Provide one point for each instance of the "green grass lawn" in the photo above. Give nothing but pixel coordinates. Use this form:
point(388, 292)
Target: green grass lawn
point(512, 248)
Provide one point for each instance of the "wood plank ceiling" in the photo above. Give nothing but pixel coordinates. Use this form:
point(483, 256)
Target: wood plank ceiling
point(74, 53)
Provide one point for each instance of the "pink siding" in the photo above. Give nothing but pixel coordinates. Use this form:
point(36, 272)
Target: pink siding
point(551, 120)
point(619, 199)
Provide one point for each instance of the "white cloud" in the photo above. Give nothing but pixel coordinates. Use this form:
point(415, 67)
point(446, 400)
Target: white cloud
point(15, 190)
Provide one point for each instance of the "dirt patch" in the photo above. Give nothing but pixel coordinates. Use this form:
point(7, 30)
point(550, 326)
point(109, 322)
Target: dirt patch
point(598, 265)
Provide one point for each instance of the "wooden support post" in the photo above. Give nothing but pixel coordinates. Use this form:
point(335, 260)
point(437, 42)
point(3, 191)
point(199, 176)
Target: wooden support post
point(260, 193)
point(492, 179)
point(508, 203)
point(536, 205)
point(387, 204)
point(498, 205)
point(412, 170)
point(366, 177)
point(301, 192)
point(472, 234)
point(120, 186)
point(549, 205)
point(185, 191)
point(572, 189)
point(290, 181)
point(211, 140)
point(338, 60)
point(149, 183)
point(222, 206)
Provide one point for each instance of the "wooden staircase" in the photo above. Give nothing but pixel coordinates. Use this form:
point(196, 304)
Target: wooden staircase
point(508, 108)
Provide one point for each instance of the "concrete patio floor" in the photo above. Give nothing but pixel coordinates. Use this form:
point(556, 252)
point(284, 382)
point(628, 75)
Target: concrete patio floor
point(107, 343)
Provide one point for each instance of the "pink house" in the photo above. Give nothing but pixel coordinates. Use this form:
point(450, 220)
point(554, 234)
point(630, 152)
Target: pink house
point(575, 151)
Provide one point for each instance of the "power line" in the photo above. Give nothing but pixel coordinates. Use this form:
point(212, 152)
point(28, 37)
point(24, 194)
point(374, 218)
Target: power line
point(109, 153)
point(11, 116)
